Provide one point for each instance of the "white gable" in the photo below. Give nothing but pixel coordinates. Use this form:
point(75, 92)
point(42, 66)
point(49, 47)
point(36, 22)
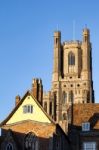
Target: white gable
point(36, 115)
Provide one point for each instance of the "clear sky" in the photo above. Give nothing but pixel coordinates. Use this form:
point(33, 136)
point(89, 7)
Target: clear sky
point(26, 42)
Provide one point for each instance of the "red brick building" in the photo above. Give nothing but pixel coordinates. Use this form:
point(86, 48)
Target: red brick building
point(84, 127)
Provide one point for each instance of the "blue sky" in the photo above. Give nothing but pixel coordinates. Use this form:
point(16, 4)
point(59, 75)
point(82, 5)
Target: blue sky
point(26, 42)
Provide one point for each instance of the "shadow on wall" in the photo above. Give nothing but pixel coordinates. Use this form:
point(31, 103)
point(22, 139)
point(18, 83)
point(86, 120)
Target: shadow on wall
point(16, 141)
point(94, 120)
point(77, 136)
point(20, 141)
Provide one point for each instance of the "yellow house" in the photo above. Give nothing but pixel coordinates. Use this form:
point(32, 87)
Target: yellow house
point(28, 126)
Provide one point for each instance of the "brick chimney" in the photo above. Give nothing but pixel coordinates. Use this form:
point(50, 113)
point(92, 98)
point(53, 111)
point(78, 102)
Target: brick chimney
point(37, 89)
point(17, 100)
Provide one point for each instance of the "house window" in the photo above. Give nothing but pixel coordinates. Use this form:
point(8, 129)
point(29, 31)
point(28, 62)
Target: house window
point(9, 146)
point(89, 146)
point(31, 142)
point(86, 126)
point(71, 58)
point(27, 109)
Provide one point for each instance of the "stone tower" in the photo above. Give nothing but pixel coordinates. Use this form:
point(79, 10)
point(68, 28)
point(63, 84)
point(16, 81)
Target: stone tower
point(72, 73)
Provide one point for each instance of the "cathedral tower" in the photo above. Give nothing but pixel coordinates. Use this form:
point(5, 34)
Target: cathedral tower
point(72, 73)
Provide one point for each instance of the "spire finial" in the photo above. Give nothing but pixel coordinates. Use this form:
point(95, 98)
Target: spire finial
point(57, 27)
point(86, 26)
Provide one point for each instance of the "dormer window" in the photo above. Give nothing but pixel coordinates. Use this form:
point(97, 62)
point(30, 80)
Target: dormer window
point(27, 109)
point(86, 126)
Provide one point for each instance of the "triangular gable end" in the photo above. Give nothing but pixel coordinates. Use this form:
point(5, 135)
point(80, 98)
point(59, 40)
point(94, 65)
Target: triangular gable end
point(36, 114)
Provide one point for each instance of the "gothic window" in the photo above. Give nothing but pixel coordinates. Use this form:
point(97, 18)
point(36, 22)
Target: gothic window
point(71, 58)
point(31, 142)
point(45, 106)
point(69, 114)
point(71, 96)
point(85, 38)
point(55, 99)
point(50, 108)
point(27, 109)
point(64, 97)
point(9, 146)
point(64, 116)
point(56, 40)
point(88, 97)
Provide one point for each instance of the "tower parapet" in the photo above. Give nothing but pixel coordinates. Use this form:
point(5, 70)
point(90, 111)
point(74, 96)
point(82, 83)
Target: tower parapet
point(86, 35)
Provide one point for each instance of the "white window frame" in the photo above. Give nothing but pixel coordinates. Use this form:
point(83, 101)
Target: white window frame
point(28, 108)
point(86, 126)
point(89, 146)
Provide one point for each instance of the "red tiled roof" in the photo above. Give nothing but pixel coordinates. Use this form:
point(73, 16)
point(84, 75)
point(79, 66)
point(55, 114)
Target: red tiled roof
point(85, 113)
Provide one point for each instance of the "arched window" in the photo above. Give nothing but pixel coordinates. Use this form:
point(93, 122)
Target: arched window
point(50, 109)
point(88, 97)
point(45, 106)
point(31, 142)
point(9, 146)
point(69, 114)
point(64, 116)
point(64, 96)
point(71, 97)
point(71, 58)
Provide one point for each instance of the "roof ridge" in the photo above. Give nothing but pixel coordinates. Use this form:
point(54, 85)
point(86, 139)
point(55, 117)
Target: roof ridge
point(17, 106)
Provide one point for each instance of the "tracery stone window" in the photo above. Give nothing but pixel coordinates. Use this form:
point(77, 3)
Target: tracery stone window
point(64, 116)
point(71, 97)
point(71, 58)
point(64, 97)
point(31, 142)
point(88, 97)
point(50, 109)
point(9, 146)
point(45, 106)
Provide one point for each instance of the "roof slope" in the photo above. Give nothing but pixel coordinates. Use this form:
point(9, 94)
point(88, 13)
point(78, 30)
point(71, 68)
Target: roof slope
point(19, 105)
point(85, 113)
